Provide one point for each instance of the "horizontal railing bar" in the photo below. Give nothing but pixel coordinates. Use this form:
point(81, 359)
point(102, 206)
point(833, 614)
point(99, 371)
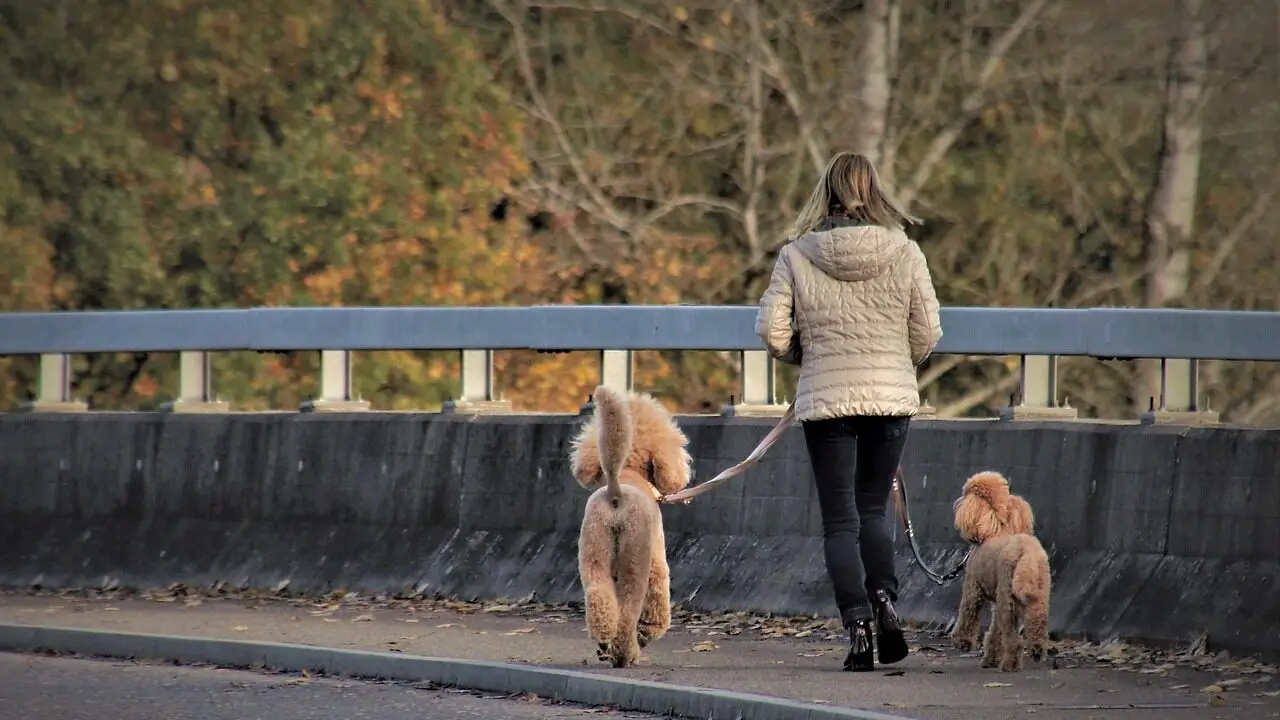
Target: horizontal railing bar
point(643, 327)
point(1098, 332)
point(1184, 333)
point(390, 328)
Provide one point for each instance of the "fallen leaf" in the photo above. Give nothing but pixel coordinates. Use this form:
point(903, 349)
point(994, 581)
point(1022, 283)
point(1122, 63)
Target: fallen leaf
point(1212, 689)
point(997, 684)
point(705, 646)
point(1217, 700)
point(1179, 687)
point(240, 628)
point(449, 625)
point(1272, 693)
point(297, 681)
point(498, 608)
point(362, 618)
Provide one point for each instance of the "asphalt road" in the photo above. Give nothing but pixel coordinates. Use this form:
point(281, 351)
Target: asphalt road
point(34, 687)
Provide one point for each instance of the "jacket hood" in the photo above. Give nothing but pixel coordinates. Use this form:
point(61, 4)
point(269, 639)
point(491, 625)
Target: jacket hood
point(854, 252)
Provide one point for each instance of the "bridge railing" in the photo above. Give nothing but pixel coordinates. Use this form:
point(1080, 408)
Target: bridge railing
point(1179, 338)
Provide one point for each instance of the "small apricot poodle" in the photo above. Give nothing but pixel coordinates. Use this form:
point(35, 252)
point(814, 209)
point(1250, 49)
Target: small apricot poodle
point(1009, 568)
point(634, 445)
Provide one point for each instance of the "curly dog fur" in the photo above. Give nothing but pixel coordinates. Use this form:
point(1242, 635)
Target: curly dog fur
point(1009, 568)
point(634, 446)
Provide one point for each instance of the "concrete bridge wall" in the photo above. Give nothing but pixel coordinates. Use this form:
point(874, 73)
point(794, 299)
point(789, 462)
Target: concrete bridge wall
point(1155, 533)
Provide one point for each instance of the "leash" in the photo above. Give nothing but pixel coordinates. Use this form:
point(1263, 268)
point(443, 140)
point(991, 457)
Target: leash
point(904, 515)
point(899, 495)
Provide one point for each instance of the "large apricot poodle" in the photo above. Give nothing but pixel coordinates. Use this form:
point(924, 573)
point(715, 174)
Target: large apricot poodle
point(634, 447)
point(1009, 568)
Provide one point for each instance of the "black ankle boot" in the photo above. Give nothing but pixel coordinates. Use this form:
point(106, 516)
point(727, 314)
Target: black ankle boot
point(891, 642)
point(861, 657)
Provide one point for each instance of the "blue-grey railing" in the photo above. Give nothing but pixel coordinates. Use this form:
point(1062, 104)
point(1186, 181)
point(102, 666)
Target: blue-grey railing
point(1176, 336)
point(1097, 332)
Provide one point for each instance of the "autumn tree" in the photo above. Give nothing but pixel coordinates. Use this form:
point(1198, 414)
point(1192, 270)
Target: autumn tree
point(1026, 132)
point(238, 154)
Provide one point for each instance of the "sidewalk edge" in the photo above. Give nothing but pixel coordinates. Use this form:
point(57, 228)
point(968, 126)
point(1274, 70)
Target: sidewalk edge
point(566, 685)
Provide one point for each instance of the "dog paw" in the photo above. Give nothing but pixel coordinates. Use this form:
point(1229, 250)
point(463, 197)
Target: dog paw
point(990, 658)
point(646, 634)
point(1037, 653)
point(1011, 663)
point(602, 652)
point(622, 657)
point(964, 644)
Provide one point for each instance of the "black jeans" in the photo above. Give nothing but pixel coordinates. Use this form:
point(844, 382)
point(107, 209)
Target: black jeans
point(854, 460)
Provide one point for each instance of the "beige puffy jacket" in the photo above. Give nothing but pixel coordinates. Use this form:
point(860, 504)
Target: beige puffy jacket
point(855, 308)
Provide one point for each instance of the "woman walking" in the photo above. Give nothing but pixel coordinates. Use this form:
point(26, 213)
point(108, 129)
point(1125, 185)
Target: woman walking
point(852, 303)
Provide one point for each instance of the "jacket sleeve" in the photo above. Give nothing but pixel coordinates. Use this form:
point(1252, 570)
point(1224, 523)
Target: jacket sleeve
point(774, 322)
point(924, 324)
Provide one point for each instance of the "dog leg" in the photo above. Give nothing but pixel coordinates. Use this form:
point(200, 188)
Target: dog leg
point(964, 636)
point(595, 561)
point(633, 568)
point(1006, 618)
point(991, 643)
point(1037, 619)
point(655, 618)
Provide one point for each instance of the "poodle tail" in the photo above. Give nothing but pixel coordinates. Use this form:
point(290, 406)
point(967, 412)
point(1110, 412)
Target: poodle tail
point(616, 429)
point(1030, 572)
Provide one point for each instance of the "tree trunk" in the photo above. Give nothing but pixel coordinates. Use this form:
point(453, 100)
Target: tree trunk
point(1171, 213)
point(871, 106)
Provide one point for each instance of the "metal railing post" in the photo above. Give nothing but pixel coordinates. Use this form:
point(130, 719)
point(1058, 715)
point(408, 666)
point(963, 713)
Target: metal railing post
point(758, 374)
point(335, 385)
point(1038, 391)
point(54, 391)
point(476, 377)
point(617, 369)
point(1179, 396)
point(195, 385)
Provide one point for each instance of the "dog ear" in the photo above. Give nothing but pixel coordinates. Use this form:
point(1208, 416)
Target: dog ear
point(584, 459)
point(660, 445)
point(975, 518)
point(1021, 519)
point(670, 468)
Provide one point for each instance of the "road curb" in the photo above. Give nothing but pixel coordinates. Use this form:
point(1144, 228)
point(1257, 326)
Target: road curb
point(565, 685)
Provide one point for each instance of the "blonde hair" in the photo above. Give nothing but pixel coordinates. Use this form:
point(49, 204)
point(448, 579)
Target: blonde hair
point(849, 184)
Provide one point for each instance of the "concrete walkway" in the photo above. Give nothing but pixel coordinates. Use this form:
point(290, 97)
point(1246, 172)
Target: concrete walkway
point(792, 658)
point(54, 688)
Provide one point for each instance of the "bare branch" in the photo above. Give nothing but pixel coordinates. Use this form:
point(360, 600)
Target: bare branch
point(773, 67)
point(752, 165)
point(1227, 246)
point(977, 396)
point(617, 9)
point(599, 205)
point(972, 102)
